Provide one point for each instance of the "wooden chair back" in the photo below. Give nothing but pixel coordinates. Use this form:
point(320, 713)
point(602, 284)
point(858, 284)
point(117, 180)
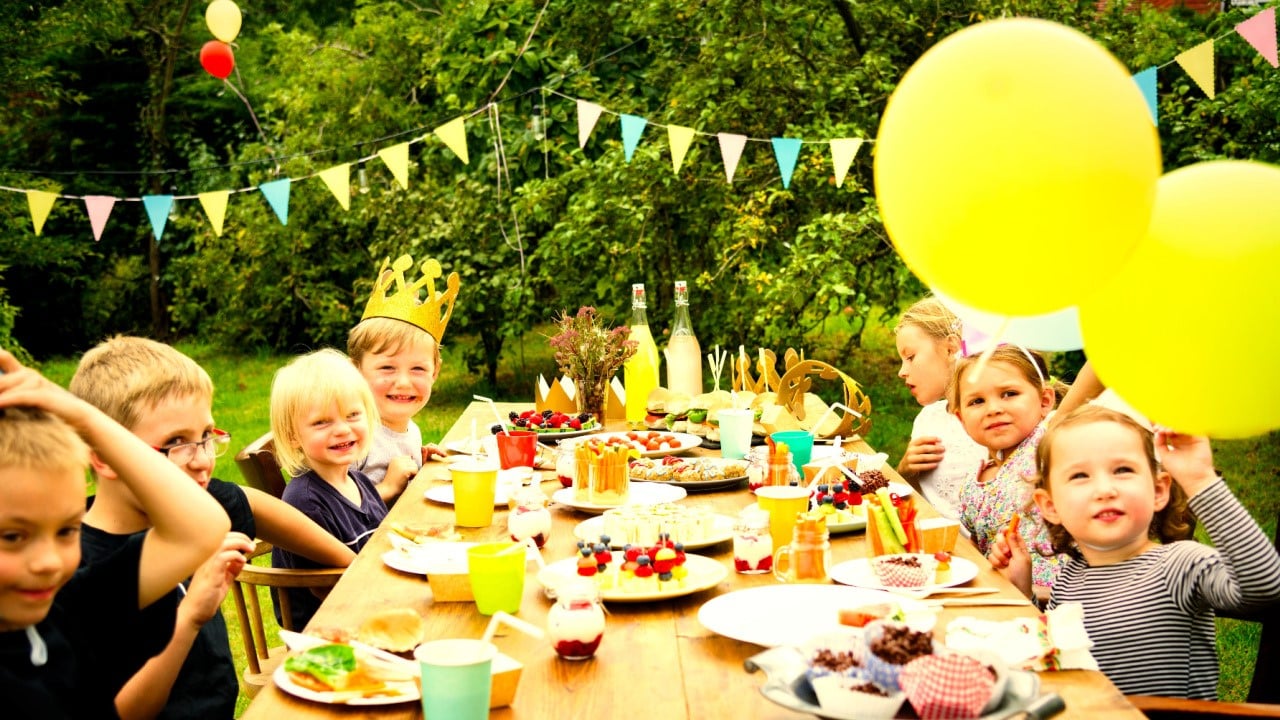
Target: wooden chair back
point(258, 465)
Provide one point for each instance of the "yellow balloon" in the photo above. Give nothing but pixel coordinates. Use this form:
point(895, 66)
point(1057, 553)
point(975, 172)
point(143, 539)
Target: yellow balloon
point(223, 19)
point(1016, 162)
point(1187, 330)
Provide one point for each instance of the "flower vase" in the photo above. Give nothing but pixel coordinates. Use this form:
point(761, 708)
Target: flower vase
point(591, 398)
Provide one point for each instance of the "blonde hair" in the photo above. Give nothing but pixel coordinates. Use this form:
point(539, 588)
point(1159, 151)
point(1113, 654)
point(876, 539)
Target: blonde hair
point(380, 334)
point(1028, 363)
point(125, 377)
point(316, 379)
point(36, 440)
point(932, 317)
point(1173, 522)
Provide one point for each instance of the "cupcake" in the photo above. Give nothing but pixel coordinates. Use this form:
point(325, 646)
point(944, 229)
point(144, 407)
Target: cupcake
point(903, 570)
point(951, 685)
point(838, 654)
point(890, 646)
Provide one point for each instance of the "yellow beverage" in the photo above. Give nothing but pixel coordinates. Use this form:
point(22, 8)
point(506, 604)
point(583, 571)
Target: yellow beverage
point(640, 373)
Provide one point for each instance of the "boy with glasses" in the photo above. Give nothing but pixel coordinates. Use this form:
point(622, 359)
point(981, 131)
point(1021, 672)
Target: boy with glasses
point(166, 399)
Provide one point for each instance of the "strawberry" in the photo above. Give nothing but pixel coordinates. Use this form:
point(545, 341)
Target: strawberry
point(575, 424)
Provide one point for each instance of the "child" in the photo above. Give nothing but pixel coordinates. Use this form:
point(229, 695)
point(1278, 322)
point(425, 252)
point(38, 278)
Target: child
point(941, 458)
point(1004, 409)
point(396, 347)
point(59, 630)
point(322, 413)
point(1148, 607)
point(166, 399)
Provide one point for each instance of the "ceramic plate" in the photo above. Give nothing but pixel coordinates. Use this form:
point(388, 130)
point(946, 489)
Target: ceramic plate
point(589, 530)
point(704, 573)
point(400, 691)
point(715, 444)
point(772, 615)
point(404, 562)
point(697, 484)
point(556, 436)
point(858, 573)
point(444, 494)
point(687, 442)
point(472, 446)
point(859, 522)
point(645, 493)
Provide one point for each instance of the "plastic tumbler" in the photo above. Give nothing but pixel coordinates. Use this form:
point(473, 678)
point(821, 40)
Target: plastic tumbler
point(475, 483)
point(735, 432)
point(456, 678)
point(517, 448)
point(801, 444)
point(497, 576)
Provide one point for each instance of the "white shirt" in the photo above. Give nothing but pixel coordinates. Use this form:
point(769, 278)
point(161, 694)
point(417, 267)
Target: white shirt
point(388, 444)
point(960, 463)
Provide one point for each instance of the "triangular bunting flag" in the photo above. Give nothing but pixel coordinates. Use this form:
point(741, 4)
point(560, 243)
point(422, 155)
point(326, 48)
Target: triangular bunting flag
point(454, 135)
point(843, 151)
point(215, 206)
point(158, 207)
point(397, 159)
point(588, 114)
point(1260, 31)
point(1147, 84)
point(338, 180)
point(99, 209)
point(786, 150)
point(632, 129)
point(40, 203)
point(1198, 63)
point(731, 148)
point(680, 138)
point(277, 194)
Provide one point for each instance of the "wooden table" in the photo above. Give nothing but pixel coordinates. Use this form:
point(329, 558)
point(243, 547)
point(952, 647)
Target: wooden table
point(656, 661)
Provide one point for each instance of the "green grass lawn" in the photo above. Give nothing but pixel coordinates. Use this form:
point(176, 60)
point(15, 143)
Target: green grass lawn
point(243, 385)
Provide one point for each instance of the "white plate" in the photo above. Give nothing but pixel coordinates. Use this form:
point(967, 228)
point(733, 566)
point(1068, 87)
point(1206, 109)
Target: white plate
point(444, 494)
point(408, 691)
point(404, 562)
point(704, 573)
point(859, 574)
point(481, 446)
point(687, 442)
point(556, 436)
point(773, 615)
point(640, 493)
point(590, 530)
point(859, 522)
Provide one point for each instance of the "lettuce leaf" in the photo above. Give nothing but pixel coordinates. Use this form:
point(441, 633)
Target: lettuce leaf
point(330, 664)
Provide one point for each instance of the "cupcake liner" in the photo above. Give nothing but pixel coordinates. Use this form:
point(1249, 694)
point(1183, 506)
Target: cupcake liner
point(950, 685)
point(877, 669)
point(837, 696)
point(890, 571)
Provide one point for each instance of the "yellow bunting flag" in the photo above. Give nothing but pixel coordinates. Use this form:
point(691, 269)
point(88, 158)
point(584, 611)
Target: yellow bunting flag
point(338, 180)
point(1198, 63)
point(454, 135)
point(843, 151)
point(680, 137)
point(397, 159)
point(215, 206)
point(40, 203)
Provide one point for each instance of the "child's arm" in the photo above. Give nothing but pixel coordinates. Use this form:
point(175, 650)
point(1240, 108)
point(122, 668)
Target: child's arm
point(147, 692)
point(922, 455)
point(287, 527)
point(400, 470)
point(1009, 556)
point(188, 525)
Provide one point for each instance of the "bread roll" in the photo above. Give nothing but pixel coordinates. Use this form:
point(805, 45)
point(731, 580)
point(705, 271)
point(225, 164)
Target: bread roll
point(393, 630)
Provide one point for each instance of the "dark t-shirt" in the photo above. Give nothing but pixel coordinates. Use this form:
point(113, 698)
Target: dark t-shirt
point(94, 617)
point(332, 511)
point(207, 686)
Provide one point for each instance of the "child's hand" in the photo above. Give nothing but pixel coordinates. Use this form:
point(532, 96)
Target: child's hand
point(400, 470)
point(431, 450)
point(213, 579)
point(1188, 458)
point(22, 386)
point(1008, 554)
point(922, 455)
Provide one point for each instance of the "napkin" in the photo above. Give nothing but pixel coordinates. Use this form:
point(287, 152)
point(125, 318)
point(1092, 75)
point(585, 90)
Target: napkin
point(1055, 640)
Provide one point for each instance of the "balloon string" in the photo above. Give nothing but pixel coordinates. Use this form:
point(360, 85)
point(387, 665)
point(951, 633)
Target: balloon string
point(981, 365)
point(252, 116)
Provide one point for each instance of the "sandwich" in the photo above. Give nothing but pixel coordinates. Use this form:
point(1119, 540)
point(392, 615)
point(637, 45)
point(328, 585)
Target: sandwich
point(678, 412)
point(664, 409)
point(335, 668)
point(703, 409)
point(398, 630)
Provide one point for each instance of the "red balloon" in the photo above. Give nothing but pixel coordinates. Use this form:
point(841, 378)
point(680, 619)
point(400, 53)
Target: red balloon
point(217, 59)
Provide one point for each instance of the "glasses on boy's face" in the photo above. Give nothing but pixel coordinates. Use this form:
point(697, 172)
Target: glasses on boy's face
point(214, 445)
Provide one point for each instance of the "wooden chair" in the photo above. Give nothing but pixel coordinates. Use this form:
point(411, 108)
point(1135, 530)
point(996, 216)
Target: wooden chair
point(262, 660)
point(257, 462)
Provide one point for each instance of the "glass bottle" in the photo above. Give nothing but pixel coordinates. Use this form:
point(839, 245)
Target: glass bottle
point(684, 354)
point(575, 624)
point(640, 374)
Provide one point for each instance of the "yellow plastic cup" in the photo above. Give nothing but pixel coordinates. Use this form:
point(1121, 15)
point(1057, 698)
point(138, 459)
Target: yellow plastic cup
point(497, 576)
point(475, 483)
point(783, 503)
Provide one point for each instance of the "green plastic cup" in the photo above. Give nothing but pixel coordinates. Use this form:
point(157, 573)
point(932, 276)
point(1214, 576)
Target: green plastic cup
point(801, 444)
point(497, 576)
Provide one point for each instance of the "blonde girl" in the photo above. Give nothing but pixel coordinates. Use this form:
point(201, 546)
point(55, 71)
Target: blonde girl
point(941, 458)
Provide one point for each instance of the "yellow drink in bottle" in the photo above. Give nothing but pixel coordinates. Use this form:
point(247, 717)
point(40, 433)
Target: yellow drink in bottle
point(640, 373)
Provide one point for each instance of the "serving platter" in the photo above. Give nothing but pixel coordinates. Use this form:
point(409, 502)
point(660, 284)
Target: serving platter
point(591, 529)
point(639, 493)
point(687, 442)
point(693, 482)
point(704, 573)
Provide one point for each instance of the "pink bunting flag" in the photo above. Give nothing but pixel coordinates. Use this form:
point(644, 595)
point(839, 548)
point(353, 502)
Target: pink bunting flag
point(731, 146)
point(99, 208)
point(1260, 31)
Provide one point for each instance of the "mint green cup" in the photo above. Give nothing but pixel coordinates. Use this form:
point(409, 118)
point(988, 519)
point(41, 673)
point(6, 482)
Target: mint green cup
point(801, 444)
point(735, 432)
point(456, 678)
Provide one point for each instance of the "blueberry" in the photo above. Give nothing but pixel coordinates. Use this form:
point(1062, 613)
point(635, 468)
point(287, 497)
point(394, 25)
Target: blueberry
point(495, 428)
point(679, 547)
point(583, 417)
point(547, 413)
point(513, 415)
point(604, 539)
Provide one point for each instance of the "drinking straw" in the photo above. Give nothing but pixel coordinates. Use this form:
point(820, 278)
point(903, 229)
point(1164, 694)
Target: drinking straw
point(496, 414)
point(513, 622)
point(832, 409)
point(985, 357)
point(764, 370)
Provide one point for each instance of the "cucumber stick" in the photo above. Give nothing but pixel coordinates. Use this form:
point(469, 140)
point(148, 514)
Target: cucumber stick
point(892, 513)
point(884, 528)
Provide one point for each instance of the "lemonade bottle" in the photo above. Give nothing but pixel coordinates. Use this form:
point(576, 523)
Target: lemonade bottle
point(684, 354)
point(640, 374)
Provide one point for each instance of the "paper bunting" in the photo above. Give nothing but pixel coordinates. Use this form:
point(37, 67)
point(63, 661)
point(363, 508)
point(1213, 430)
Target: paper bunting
point(158, 207)
point(215, 206)
point(338, 180)
point(785, 151)
point(588, 114)
point(843, 151)
point(40, 203)
point(731, 146)
point(277, 194)
point(680, 138)
point(1147, 84)
point(99, 209)
point(454, 136)
point(396, 159)
point(1198, 63)
point(632, 129)
point(1260, 31)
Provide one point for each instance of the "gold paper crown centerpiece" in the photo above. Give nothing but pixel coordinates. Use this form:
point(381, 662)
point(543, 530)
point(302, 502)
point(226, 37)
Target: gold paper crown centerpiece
point(394, 298)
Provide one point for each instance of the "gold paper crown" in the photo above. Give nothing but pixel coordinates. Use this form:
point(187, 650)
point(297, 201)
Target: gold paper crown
point(404, 302)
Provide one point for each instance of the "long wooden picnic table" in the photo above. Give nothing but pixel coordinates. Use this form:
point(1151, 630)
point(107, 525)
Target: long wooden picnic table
point(656, 660)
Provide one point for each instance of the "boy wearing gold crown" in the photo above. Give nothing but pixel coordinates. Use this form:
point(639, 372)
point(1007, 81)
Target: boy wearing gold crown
point(396, 347)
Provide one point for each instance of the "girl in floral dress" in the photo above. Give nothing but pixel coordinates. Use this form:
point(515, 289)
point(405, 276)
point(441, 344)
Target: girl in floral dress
point(1003, 408)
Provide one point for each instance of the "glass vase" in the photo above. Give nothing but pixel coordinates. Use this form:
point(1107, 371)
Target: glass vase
point(591, 398)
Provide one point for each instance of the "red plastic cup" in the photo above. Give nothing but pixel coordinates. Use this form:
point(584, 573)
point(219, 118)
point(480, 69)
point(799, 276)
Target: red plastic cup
point(517, 448)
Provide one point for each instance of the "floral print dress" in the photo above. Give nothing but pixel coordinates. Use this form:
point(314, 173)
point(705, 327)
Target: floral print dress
point(986, 508)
